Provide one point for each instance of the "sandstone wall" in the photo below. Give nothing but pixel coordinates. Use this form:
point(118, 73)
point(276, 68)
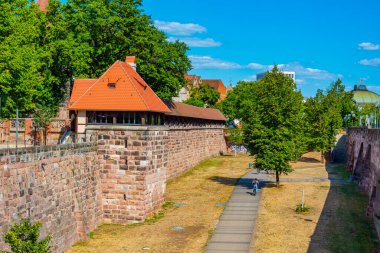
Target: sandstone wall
point(363, 159)
point(63, 193)
point(189, 145)
point(133, 170)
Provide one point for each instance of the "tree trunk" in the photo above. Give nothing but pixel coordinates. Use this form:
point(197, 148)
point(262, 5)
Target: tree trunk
point(45, 136)
point(277, 179)
point(322, 156)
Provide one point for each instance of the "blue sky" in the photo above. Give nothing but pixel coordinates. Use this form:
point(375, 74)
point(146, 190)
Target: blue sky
point(320, 40)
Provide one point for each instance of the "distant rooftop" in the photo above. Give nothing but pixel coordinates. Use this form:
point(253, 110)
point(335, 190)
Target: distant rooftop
point(363, 96)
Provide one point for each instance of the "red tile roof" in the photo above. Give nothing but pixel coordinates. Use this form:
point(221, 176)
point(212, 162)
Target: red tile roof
point(218, 85)
point(43, 4)
point(120, 88)
point(189, 111)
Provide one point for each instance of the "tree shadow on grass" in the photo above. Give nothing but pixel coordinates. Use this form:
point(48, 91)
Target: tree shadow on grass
point(343, 225)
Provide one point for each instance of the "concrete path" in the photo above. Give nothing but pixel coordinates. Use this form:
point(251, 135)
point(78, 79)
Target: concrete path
point(235, 228)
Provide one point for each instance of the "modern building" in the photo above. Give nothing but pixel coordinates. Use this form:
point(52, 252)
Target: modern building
point(363, 96)
point(290, 74)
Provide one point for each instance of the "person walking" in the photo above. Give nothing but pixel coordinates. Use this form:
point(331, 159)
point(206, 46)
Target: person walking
point(255, 184)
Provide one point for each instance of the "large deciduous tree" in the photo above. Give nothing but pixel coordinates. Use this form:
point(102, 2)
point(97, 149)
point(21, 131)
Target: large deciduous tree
point(110, 30)
point(273, 122)
point(324, 115)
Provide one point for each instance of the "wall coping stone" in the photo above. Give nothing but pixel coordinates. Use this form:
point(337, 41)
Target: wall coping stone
point(126, 128)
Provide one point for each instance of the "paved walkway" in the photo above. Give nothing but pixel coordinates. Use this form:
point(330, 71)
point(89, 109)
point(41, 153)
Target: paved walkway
point(235, 228)
point(233, 234)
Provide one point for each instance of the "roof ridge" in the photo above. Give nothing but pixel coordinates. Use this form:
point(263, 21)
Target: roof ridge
point(84, 93)
point(125, 72)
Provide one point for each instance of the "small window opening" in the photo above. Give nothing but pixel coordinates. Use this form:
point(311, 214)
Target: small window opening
point(112, 85)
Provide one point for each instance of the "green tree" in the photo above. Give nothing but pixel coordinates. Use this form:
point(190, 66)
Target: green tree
point(24, 238)
point(109, 30)
point(24, 60)
point(194, 102)
point(238, 101)
point(324, 116)
point(204, 93)
point(273, 122)
point(42, 118)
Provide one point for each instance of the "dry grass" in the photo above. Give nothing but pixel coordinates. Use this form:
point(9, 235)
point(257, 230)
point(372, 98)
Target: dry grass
point(336, 221)
point(279, 227)
point(200, 189)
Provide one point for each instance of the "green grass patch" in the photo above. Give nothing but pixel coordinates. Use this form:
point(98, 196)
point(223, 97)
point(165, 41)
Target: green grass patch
point(349, 230)
point(341, 171)
point(302, 209)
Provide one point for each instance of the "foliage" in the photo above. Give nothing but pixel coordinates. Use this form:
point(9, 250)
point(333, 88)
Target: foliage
point(23, 238)
point(324, 115)
point(235, 135)
point(273, 123)
point(110, 30)
point(24, 59)
point(204, 93)
point(238, 101)
point(41, 52)
point(42, 118)
point(194, 102)
point(302, 209)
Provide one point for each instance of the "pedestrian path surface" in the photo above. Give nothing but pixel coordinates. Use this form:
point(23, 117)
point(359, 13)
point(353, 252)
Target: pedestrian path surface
point(235, 227)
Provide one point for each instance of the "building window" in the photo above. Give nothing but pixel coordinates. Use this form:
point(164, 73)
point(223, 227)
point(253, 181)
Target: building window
point(112, 85)
point(125, 118)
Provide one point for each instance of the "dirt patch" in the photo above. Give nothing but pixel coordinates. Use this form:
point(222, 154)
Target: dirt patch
point(186, 226)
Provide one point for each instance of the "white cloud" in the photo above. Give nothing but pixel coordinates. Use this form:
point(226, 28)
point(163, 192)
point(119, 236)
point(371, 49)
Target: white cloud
point(207, 62)
point(254, 65)
point(369, 46)
point(370, 62)
point(371, 87)
point(176, 28)
point(300, 81)
point(197, 42)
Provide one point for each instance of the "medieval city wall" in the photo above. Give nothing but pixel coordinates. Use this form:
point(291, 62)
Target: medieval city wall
point(363, 160)
point(120, 177)
point(58, 186)
point(133, 162)
point(189, 145)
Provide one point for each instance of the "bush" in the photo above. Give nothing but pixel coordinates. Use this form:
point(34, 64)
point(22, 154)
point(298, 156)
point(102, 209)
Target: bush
point(23, 238)
point(300, 209)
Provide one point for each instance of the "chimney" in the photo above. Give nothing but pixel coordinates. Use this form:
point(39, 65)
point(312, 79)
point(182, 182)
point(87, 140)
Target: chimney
point(131, 60)
point(43, 5)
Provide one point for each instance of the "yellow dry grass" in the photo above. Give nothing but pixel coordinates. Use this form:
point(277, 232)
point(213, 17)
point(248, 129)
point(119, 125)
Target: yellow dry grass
point(279, 228)
point(200, 189)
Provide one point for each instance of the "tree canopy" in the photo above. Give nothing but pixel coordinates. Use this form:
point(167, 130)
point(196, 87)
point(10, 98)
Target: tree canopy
point(202, 95)
point(41, 52)
point(273, 122)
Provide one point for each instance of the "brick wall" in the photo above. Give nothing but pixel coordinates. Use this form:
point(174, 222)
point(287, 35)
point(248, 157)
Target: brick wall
point(63, 193)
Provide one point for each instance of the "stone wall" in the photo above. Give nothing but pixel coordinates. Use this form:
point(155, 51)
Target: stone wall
point(189, 145)
point(363, 160)
point(63, 193)
point(133, 170)
point(119, 178)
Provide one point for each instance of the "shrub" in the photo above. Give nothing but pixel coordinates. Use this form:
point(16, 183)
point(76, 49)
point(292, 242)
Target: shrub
point(300, 209)
point(23, 238)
